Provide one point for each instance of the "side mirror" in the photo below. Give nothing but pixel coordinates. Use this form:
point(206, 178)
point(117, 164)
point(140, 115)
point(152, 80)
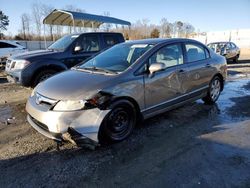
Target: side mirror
point(77, 48)
point(155, 67)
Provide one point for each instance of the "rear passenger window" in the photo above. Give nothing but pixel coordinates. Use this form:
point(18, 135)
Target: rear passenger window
point(170, 55)
point(233, 45)
point(90, 43)
point(110, 40)
point(195, 52)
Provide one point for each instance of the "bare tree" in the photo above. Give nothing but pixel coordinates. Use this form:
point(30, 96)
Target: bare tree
point(23, 27)
point(25, 21)
point(166, 28)
point(73, 8)
point(106, 26)
point(155, 33)
point(178, 28)
point(37, 16)
point(45, 10)
point(188, 29)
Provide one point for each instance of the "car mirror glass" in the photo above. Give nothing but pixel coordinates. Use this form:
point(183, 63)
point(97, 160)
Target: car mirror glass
point(77, 48)
point(155, 67)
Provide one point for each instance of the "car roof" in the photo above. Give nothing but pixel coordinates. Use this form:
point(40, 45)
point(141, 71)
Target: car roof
point(219, 42)
point(94, 33)
point(155, 41)
point(13, 42)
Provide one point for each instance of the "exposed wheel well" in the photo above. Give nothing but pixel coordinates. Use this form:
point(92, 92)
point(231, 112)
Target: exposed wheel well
point(137, 108)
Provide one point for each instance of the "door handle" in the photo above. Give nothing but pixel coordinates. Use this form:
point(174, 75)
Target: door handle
point(208, 65)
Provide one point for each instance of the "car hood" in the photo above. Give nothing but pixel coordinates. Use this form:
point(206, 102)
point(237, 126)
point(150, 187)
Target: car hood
point(74, 85)
point(34, 54)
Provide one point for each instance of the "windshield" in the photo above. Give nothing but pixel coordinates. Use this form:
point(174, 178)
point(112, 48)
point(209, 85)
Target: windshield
point(63, 42)
point(118, 58)
point(218, 47)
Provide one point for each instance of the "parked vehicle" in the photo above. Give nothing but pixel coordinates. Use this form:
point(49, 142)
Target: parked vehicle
point(8, 48)
point(30, 68)
point(227, 49)
point(102, 99)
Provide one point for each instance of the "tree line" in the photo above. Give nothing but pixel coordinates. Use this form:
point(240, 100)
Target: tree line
point(32, 28)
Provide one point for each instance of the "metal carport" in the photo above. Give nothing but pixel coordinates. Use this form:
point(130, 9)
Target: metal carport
point(79, 19)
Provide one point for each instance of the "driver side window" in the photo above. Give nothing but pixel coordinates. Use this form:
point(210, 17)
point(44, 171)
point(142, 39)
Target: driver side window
point(170, 55)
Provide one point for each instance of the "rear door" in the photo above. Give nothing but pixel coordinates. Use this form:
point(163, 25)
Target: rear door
point(199, 69)
point(90, 45)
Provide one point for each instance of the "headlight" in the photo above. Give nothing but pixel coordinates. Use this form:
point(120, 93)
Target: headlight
point(20, 64)
point(34, 90)
point(69, 105)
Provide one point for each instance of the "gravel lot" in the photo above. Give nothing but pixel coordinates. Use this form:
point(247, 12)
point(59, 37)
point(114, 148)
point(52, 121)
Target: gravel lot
point(196, 145)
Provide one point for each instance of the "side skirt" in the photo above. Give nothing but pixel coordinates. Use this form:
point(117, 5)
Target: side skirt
point(174, 103)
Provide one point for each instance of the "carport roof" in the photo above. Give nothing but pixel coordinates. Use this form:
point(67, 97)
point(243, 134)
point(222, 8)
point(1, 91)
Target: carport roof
point(79, 19)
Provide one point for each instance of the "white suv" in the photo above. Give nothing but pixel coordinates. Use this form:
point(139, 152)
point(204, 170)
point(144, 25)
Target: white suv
point(8, 48)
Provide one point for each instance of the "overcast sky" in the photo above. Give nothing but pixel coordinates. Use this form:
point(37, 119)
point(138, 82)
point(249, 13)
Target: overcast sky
point(206, 15)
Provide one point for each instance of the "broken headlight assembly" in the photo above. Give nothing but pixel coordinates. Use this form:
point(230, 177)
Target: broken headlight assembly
point(99, 100)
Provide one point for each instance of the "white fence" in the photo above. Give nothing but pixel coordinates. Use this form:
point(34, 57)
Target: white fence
point(240, 37)
point(34, 45)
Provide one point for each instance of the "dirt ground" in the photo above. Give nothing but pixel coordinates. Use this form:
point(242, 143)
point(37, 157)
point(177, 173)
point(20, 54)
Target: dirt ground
point(195, 145)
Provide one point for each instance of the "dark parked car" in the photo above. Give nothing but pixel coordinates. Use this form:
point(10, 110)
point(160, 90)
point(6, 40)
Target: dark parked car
point(33, 67)
point(227, 49)
point(102, 99)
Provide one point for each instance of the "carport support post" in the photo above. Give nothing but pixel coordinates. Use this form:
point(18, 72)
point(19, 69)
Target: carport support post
point(44, 34)
point(74, 25)
point(92, 25)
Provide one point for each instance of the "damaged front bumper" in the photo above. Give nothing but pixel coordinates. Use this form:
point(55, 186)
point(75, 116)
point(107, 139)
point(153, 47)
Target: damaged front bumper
point(76, 126)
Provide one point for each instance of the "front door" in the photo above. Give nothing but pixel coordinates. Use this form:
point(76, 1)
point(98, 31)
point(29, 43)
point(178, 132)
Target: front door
point(89, 46)
point(164, 85)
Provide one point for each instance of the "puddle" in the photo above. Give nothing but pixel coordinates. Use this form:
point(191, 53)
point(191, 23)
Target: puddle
point(232, 89)
point(237, 75)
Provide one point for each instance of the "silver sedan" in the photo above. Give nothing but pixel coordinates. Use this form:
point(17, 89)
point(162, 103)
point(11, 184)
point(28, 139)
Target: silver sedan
point(102, 99)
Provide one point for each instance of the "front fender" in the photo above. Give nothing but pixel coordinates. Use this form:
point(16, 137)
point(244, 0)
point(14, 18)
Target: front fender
point(28, 73)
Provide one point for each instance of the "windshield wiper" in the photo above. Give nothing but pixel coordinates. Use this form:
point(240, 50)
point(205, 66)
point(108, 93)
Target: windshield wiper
point(99, 69)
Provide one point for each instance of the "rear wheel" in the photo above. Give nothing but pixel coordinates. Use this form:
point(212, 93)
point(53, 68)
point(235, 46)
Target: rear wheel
point(119, 122)
point(43, 75)
point(214, 91)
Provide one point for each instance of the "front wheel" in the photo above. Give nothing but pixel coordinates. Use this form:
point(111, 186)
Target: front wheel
point(214, 91)
point(43, 75)
point(119, 122)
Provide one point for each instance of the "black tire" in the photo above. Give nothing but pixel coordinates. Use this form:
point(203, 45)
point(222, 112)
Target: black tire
point(43, 75)
point(118, 123)
point(214, 91)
